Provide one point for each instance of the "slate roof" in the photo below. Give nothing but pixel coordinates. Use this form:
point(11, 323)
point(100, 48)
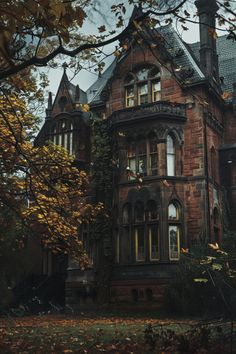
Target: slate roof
point(226, 50)
point(94, 91)
point(182, 57)
point(177, 49)
point(185, 57)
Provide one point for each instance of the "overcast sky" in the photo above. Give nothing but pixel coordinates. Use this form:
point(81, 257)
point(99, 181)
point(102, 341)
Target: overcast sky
point(84, 78)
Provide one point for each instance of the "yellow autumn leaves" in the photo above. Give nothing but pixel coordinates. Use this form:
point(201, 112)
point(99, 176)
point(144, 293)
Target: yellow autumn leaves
point(40, 184)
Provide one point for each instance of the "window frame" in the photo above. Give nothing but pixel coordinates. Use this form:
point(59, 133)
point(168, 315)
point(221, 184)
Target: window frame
point(170, 156)
point(134, 157)
point(174, 223)
point(63, 134)
point(135, 82)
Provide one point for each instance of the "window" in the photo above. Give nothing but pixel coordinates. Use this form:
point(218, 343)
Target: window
point(174, 231)
point(152, 227)
point(144, 228)
point(170, 152)
point(142, 94)
point(62, 135)
point(142, 158)
point(130, 96)
point(142, 86)
point(124, 240)
point(139, 233)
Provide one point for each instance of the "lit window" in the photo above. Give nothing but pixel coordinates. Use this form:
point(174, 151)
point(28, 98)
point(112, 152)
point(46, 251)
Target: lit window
point(174, 232)
point(170, 156)
point(153, 242)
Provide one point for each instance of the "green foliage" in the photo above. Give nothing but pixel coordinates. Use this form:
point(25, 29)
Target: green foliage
point(102, 171)
point(204, 283)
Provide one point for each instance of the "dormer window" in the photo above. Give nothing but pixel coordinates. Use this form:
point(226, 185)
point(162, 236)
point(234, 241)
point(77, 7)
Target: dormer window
point(142, 86)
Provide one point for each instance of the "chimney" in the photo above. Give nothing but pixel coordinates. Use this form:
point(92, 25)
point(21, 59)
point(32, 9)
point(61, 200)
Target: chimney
point(49, 108)
point(208, 55)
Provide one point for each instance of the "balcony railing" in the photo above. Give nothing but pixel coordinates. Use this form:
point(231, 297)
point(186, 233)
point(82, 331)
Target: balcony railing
point(165, 109)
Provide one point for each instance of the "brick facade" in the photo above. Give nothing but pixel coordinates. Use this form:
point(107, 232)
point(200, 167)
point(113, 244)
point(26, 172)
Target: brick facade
point(191, 113)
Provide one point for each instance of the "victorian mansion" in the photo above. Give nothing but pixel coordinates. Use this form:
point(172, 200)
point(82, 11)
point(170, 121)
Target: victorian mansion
point(171, 112)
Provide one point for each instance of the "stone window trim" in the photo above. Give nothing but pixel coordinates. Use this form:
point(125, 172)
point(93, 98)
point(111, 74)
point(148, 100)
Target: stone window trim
point(174, 215)
point(62, 134)
point(140, 224)
point(142, 158)
point(142, 85)
point(170, 155)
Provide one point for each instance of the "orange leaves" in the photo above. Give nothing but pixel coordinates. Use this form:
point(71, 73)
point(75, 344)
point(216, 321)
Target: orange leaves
point(40, 184)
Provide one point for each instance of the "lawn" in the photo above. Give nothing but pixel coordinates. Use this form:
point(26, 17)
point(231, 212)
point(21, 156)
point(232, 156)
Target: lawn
point(111, 334)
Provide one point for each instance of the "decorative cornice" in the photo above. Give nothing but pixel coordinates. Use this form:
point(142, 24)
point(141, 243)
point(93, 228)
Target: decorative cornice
point(160, 109)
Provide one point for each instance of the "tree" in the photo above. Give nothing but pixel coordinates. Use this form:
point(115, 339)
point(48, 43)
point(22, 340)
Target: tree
point(33, 33)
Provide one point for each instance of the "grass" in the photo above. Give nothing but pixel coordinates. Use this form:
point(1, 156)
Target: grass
point(87, 334)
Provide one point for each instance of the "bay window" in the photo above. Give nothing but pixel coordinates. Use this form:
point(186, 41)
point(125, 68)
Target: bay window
point(142, 158)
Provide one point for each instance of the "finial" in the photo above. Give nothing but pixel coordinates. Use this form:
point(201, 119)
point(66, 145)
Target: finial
point(49, 108)
point(49, 100)
point(77, 96)
point(65, 66)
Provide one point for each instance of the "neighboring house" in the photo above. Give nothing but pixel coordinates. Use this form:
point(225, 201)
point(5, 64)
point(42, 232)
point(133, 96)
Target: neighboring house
point(171, 111)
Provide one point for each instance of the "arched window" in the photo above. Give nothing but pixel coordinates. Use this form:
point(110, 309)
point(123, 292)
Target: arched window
point(62, 135)
point(170, 154)
point(126, 214)
point(152, 228)
point(174, 231)
point(139, 232)
point(125, 239)
point(142, 86)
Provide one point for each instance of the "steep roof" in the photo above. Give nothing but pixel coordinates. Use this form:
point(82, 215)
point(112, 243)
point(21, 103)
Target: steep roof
point(186, 59)
point(226, 50)
point(94, 91)
point(175, 47)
